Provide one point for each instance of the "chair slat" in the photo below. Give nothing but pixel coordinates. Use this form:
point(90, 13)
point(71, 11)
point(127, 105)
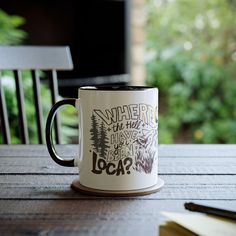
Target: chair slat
point(38, 105)
point(24, 136)
point(4, 116)
point(54, 94)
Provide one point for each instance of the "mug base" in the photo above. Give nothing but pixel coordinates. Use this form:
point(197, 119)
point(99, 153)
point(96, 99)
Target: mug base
point(111, 193)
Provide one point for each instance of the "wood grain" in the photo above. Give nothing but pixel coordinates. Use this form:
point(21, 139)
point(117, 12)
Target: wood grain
point(167, 165)
point(86, 217)
point(165, 150)
point(176, 187)
point(36, 198)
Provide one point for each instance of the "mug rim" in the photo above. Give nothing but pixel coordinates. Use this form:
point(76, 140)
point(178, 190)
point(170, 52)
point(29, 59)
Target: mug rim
point(117, 88)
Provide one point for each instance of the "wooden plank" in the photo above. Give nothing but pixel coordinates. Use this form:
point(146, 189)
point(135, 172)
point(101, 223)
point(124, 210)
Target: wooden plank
point(181, 166)
point(165, 150)
point(86, 217)
point(35, 150)
point(35, 57)
point(197, 150)
point(197, 165)
point(176, 187)
point(28, 165)
point(80, 217)
point(110, 207)
point(43, 181)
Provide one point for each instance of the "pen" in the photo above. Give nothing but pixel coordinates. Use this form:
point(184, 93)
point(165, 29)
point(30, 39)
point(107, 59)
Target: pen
point(210, 210)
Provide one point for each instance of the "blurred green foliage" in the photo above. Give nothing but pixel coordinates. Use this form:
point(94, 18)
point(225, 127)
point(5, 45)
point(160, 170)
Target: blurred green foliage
point(11, 34)
point(191, 58)
point(9, 31)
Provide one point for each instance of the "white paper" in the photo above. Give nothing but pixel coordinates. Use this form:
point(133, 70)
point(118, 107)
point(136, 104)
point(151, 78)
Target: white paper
point(202, 224)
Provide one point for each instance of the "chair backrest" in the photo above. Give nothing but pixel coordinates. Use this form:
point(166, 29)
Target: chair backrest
point(35, 59)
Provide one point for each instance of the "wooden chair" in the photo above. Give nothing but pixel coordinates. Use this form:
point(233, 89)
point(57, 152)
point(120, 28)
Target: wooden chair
point(35, 59)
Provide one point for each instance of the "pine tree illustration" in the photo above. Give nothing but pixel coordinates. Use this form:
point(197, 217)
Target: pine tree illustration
point(103, 141)
point(94, 133)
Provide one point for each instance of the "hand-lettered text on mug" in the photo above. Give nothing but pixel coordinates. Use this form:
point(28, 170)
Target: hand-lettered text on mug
point(124, 139)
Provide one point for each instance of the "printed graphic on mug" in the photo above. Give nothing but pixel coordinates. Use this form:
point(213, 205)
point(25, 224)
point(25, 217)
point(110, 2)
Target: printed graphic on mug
point(124, 139)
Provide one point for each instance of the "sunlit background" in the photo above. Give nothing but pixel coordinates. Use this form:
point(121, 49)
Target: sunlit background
point(191, 56)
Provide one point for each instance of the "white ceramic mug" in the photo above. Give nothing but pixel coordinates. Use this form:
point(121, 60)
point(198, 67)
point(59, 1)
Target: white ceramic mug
point(118, 146)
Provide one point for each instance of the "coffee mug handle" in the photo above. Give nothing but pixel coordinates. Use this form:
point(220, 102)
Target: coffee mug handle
point(49, 140)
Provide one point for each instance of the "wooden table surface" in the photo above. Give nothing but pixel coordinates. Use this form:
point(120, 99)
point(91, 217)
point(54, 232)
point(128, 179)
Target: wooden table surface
point(36, 198)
